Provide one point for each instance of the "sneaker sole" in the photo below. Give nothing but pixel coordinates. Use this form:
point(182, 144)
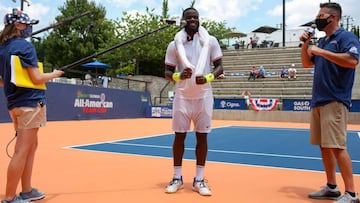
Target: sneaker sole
point(322, 198)
point(207, 194)
point(35, 198)
point(170, 192)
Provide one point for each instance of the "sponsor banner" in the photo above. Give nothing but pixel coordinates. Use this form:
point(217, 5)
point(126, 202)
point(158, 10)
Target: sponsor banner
point(67, 102)
point(296, 105)
point(305, 105)
point(263, 104)
point(159, 112)
point(228, 104)
point(78, 102)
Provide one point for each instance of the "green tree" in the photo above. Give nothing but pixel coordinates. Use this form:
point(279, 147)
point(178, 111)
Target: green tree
point(80, 38)
point(148, 52)
point(143, 39)
point(165, 9)
point(217, 29)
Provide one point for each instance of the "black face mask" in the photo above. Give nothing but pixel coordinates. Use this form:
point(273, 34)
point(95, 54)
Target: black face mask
point(322, 23)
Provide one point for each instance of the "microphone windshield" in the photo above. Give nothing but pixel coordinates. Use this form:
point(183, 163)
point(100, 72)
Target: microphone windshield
point(177, 22)
point(168, 21)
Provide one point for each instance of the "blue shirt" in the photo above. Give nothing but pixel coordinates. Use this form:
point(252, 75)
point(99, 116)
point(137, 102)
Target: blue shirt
point(19, 96)
point(331, 81)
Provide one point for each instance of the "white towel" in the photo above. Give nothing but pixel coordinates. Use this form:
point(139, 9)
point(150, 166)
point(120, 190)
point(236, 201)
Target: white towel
point(180, 39)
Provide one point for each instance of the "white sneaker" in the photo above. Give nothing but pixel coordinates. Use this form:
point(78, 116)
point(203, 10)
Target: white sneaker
point(174, 185)
point(326, 193)
point(201, 187)
point(347, 198)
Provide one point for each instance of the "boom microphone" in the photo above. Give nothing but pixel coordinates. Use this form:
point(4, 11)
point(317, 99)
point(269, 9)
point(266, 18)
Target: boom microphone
point(181, 23)
point(310, 31)
point(168, 21)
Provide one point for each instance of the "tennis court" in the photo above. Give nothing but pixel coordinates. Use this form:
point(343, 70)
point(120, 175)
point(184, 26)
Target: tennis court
point(129, 160)
point(257, 146)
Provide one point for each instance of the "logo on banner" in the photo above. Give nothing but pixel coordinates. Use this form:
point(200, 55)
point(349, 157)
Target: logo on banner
point(263, 104)
point(228, 104)
point(302, 106)
point(92, 103)
point(161, 112)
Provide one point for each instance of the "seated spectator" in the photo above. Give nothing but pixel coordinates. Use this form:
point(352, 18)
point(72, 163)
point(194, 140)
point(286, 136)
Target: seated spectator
point(283, 73)
point(253, 73)
point(292, 72)
point(261, 72)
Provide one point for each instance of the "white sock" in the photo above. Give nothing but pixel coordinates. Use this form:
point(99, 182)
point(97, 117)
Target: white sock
point(199, 173)
point(177, 172)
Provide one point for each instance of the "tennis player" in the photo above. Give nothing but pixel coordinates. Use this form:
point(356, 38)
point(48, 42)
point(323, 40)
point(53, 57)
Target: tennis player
point(188, 63)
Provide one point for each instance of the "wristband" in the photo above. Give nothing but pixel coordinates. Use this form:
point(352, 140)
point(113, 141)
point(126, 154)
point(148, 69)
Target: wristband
point(209, 77)
point(176, 76)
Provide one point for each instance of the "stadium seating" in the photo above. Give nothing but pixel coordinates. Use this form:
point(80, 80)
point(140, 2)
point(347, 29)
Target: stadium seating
point(238, 64)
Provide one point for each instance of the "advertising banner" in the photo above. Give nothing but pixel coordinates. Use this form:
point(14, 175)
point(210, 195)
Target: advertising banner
point(304, 105)
point(159, 112)
point(230, 104)
point(78, 102)
point(296, 105)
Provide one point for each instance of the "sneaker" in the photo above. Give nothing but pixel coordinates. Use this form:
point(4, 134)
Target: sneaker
point(17, 199)
point(347, 198)
point(33, 195)
point(174, 185)
point(326, 193)
point(201, 187)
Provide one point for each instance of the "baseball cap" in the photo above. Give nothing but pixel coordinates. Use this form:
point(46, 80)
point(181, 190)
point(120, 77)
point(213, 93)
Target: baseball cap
point(19, 17)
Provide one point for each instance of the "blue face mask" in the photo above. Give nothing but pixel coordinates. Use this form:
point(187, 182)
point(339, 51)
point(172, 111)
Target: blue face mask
point(27, 32)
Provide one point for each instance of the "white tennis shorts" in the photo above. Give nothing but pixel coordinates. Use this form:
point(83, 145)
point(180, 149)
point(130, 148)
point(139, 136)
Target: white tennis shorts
point(198, 111)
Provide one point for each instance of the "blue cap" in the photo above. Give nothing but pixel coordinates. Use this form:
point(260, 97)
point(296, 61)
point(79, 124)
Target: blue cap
point(19, 17)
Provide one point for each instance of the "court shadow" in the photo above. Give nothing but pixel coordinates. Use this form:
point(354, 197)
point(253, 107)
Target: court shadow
point(300, 193)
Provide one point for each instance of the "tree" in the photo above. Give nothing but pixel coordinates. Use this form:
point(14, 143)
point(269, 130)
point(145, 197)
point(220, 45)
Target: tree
point(80, 38)
point(147, 53)
point(217, 29)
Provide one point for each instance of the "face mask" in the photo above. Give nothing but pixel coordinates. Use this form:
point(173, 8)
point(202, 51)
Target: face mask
point(27, 32)
point(321, 23)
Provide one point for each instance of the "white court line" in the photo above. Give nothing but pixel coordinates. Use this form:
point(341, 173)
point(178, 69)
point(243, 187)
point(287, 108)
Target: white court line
point(230, 152)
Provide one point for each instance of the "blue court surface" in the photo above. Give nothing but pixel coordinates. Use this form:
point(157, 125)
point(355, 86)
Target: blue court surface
point(256, 146)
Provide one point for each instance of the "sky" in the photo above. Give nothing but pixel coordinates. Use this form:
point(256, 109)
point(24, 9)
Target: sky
point(243, 15)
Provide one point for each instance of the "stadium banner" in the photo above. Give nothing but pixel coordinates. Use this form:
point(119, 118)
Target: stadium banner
point(159, 112)
point(79, 102)
point(305, 105)
point(263, 104)
point(230, 104)
point(296, 105)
